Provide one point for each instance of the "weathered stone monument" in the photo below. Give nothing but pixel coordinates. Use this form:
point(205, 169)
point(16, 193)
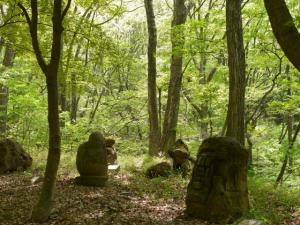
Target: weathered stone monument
point(181, 157)
point(111, 151)
point(218, 191)
point(13, 157)
point(91, 161)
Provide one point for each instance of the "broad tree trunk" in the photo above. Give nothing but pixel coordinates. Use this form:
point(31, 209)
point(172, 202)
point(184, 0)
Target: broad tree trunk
point(172, 108)
point(154, 126)
point(236, 63)
point(42, 210)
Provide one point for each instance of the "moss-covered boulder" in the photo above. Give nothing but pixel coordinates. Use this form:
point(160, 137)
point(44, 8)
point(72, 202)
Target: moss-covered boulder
point(162, 169)
point(218, 190)
point(91, 161)
point(13, 157)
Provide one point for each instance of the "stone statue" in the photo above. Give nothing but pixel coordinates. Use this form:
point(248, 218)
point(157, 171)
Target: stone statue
point(91, 161)
point(218, 191)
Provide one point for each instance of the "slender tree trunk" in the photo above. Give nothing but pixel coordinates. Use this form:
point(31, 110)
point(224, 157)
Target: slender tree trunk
point(8, 56)
point(172, 108)
point(62, 80)
point(94, 111)
point(236, 63)
point(7, 62)
point(74, 90)
point(154, 126)
point(42, 210)
point(291, 140)
point(159, 107)
point(289, 127)
point(74, 99)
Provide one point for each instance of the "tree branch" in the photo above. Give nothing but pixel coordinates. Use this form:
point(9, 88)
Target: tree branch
point(32, 23)
point(66, 9)
point(25, 13)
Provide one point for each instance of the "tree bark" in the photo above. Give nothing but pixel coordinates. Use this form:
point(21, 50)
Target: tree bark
point(75, 97)
point(284, 30)
point(42, 210)
point(154, 126)
point(236, 64)
point(172, 108)
point(7, 62)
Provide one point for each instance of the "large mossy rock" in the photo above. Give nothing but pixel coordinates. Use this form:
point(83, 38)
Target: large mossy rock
point(218, 191)
point(91, 161)
point(13, 157)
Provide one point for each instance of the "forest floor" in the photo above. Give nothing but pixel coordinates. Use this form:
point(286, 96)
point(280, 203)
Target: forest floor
point(126, 199)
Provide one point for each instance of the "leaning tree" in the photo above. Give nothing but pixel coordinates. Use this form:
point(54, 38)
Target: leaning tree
point(288, 37)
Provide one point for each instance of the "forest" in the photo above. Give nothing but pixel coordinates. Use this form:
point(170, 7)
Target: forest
point(150, 112)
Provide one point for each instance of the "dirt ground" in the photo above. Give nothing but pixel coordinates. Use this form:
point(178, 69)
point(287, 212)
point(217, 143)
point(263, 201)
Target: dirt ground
point(114, 204)
point(120, 202)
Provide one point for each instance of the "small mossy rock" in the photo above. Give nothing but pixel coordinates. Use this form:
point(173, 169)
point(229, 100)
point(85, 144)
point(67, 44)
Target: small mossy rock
point(217, 191)
point(13, 157)
point(162, 169)
point(91, 161)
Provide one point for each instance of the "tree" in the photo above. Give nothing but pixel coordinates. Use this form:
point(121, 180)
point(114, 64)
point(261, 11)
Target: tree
point(284, 30)
point(154, 126)
point(42, 210)
point(236, 64)
point(174, 88)
point(7, 62)
point(288, 38)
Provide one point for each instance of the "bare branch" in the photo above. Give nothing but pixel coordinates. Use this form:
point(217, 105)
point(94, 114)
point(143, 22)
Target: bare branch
point(66, 9)
point(25, 13)
point(33, 32)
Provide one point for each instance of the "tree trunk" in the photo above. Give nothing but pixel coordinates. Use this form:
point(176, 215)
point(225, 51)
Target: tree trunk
point(62, 80)
point(7, 62)
point(3, 110)
point(236, 63)
point(172, 108)
point(154, 126)
point(289, 127)
point(74, 99)
point(284, 30)
point(74, 90)
point(289, 123)
point(42, 210)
